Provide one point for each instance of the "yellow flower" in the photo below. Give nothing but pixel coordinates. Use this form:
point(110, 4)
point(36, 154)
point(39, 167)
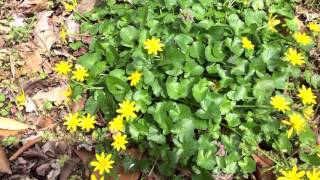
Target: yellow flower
point(294, 57)
point(302, 38)
point(272, 22)
point(308, 112)
point(279, 103)
point(80, 73)
point(87, 122)
point(103, 163)
point(67, 94)
point(314, 174)
point(135, 78)
point(294, 174)
point(306, 95)
point(21, 99)
point(116, 124)
point(153, 45)
point(119, 142)
point(296, 122)
point(62, 68)
point(70, 7)
point(72, 121)
point(127, 109)
point(247, 44)
point(63, 34)
point(93, 177)
point(314, 27)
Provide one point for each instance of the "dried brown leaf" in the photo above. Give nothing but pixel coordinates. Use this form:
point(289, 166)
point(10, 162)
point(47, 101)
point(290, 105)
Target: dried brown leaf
point(4, 163)
point(44, 33)
point(33, 61)
point(25, 146)
point(55, 95)
point(10, 124)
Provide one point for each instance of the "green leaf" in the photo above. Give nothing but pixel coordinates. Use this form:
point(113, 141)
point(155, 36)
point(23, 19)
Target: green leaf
point(170, 3)
point(233, 119)
point(183, 40)
point(248, 165)
point(155, 136)
point(143, 99)
point(88, 60)
point(176, 89)
point(197, 51)
point(263, 89)
point(200, 90)
point(117, 85)
point(191, 68)
point(128, 33)
point(208, 110)
point(160, 114)
point(2, 97)
point(205, 159)
point(236, 23)
point(91, 105)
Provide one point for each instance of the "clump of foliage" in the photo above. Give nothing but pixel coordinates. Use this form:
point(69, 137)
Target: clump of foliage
point(200, 84)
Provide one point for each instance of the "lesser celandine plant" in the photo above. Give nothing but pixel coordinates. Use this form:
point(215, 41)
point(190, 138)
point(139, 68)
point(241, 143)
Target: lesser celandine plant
point(184, 80)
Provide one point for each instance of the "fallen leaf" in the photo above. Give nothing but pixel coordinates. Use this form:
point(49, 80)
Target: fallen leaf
point(4, 163)
point(224, 177)
point(30, 106)
point(133, 175)
point(84, 155)
point(44, 34)
point(78, 105)
point(68, 168)
point(264, 174)
point(44, 122)
point(33, 61)
point(34, 5)
point(55, 95)
point(10, 124)
point(262, 161)
point(72, 28)
point(17, 21)
point(5, 133)
point(25, 146)
point(86, 5)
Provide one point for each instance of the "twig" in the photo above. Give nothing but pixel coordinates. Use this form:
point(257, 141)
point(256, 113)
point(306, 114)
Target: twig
point(154, 164)
point(25, 147)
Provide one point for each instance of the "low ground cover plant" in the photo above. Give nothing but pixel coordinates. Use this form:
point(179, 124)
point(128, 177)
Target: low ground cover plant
point(202, 85)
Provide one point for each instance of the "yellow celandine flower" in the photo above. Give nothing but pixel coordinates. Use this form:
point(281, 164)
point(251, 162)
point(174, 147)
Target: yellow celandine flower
point(87, 122)
point(80, 73)
point(93, 177)
point(116, 124)
point(21, 99)
point(153, 46)
point(127, 109)
point(72, 121)
point(119, 142)
point(294, 174)
point(70, 7)
point(296, 122)
point(314, 174)
point(314, 27)
point(62, 68)
point(103, 163)
point(135, 78)
point(308, 112)
point(247, 44)
point(294, 57)
point(272, 22)
point(63, 34)
point(67, 94)
point(280, 103)
point(302, 38)
point(307, 95)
